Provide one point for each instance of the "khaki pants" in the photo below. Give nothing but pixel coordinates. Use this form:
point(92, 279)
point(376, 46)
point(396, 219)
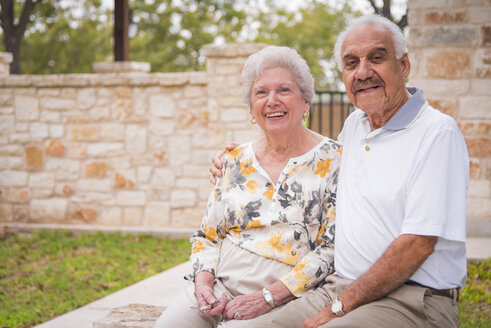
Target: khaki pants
point(407, 306)
point(239, 272)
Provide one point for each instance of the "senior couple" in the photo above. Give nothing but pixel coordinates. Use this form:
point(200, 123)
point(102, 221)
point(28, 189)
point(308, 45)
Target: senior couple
point(264, 255)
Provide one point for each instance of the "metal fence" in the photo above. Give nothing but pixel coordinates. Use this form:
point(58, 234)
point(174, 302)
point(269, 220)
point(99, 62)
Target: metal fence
point(328, 111)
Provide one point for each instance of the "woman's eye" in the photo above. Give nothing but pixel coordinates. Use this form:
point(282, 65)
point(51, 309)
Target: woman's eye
point(284, 89)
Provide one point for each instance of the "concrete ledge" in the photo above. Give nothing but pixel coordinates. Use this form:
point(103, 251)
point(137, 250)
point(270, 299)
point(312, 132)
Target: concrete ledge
point(174, 233)
point(479, 228)
point(131, 316)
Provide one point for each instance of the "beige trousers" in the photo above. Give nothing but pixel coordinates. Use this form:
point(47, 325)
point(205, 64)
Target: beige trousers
point(239, 272)
point(407, 306)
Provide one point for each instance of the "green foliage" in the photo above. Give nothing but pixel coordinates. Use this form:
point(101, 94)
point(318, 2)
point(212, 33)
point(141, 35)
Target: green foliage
point(475, 303)
point(52, 272)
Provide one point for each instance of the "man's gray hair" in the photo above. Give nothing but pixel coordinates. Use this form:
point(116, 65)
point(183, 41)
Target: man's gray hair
point(272, 57)
point(397, 36)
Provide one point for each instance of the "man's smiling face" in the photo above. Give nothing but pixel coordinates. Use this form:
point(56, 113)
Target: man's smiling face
point(373, 76)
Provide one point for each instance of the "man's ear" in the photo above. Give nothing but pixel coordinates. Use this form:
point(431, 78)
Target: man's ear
point(405, 65)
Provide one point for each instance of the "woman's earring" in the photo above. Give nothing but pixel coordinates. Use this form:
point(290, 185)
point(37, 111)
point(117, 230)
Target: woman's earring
point(253, 121)
point(306, 114)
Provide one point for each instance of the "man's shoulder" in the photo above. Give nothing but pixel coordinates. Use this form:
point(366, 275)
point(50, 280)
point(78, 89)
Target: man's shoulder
point(436, 119)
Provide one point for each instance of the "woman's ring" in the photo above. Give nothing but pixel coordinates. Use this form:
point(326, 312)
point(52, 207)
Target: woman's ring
point(237, 315)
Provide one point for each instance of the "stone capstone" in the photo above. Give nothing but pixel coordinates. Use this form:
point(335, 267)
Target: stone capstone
point(131, 316)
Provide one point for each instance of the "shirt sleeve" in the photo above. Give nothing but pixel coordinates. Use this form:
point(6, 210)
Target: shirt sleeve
point(207, 240)
point(437, 189)
point(318, 263)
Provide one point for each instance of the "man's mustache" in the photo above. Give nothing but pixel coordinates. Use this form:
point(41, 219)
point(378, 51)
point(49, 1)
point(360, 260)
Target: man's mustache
point(365, 84)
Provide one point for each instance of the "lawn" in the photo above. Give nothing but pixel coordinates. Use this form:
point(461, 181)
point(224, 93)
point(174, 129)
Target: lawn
point(47, 273)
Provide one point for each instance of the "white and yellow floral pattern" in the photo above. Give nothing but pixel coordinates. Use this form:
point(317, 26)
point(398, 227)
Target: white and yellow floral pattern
point(290, 222)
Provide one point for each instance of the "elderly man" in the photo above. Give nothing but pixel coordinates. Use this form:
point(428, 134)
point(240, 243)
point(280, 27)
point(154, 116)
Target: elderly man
point(400, 228)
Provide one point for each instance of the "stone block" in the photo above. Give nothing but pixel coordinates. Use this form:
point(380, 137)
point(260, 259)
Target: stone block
point(240, 114)
point(143, 174)
point(77, 150)
point(100, 185)
point(180, 150)
point(132, 216)
point(56, 131)
point(186, 120)
point(441, 88)
point(39, 131)
point(131, 198)
point(95, 170)
point(193, 91)
point(475, 107)
point(83, 214)
point(21, 213)
point(11, 150)
point(160, 127)
point(196, 170)
point(21, 127)
point(121, 110)
point(446, 17)
point(136, 139)
point(131, 316)
point(26, 108)
point(100, 113)
point(121, 181)
point(51, 210)
point(478, 207)
point(111, 216)
point(19, 138)
point(162, 178)
point(62, 104)
point(173, 79)
point(42, 180)
point(475, 128)
point(449, 64)
point(83, 133)
point(64, 189)
point(486, 36)
point(11, 163)
point(112, 131)
point(187, 217)
point(483, 63)
point(213, 136)
point(50, 116)
point(105, 149)
point(64, 169)
point(6, 124)
point(86, 98)
point(55, 148)
point(6, 213)
point(156, 214)
point(478, 147)
point(34, 157)
point(183, 198)
point(162, 106)
point(19, 195)
point(454, 36)
point(479, 188)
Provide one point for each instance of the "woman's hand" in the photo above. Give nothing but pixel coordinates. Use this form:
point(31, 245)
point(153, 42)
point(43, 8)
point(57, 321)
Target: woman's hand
point(208, 304)
point(216, 163)
point(245, 307)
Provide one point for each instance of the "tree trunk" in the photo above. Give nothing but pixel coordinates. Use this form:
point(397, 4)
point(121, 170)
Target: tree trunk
point(13, 34)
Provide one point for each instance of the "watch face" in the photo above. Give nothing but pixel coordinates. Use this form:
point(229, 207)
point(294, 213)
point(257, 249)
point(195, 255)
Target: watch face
point(336, 306)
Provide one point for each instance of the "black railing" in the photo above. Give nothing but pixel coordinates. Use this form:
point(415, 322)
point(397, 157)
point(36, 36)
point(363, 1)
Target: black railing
point(328, 111)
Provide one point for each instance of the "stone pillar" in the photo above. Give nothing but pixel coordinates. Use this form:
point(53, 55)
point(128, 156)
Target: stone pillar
point(121, 67)
point(5, 59)
point(224, 64)
point(450, 51)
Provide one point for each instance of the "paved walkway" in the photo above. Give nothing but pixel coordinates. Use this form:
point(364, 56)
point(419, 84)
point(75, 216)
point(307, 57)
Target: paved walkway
point(161, 289)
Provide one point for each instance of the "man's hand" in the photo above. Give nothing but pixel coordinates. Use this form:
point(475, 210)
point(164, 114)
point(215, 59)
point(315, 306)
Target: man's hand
point(319, 319)
point(246, 307)
point(216, 163)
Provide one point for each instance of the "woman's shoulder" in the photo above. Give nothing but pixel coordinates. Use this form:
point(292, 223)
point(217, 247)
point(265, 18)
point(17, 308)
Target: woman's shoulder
point(330, 147)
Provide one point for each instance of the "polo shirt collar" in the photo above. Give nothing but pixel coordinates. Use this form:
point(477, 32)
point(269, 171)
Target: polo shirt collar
point(408, 111)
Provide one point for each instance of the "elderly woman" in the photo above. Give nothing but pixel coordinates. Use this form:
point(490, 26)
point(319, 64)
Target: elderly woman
point(267, 234)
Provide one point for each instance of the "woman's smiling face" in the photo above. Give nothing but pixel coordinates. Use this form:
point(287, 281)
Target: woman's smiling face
point(277, 103)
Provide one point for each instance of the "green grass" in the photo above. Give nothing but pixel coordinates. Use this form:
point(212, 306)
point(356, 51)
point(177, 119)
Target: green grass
point(49, 273)
point(475, 298)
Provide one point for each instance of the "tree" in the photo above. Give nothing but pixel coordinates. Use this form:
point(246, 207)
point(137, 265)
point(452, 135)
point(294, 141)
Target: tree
point(386, 11)
point(12, 32)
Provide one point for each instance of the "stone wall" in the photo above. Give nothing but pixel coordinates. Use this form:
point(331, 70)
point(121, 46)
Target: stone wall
point(122, 149)
point(450, 48)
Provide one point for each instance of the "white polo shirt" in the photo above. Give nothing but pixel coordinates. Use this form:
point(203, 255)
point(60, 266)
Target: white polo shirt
point(408, 177)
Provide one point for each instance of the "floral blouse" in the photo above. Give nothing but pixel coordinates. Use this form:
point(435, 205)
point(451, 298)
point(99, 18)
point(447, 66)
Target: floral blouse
point(291, 221)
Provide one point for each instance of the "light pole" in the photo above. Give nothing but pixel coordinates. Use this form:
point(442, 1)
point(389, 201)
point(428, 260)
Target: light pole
point(121, 25)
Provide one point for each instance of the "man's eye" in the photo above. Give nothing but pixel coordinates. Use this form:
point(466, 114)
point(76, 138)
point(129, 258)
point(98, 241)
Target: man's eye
point(349, 63)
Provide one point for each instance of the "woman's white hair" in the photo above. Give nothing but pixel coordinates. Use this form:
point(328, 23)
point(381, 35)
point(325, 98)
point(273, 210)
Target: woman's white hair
point(397, 36)
point(271, 57)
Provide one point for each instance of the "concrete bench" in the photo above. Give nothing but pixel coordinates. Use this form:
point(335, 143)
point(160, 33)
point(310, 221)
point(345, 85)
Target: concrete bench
point(131, 316)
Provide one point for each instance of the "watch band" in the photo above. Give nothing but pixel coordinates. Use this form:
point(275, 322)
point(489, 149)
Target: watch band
point(268, 297)
point(337, 308)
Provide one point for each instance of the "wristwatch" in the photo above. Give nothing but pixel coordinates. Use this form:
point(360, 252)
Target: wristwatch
point(268, 297)
point(337, 308)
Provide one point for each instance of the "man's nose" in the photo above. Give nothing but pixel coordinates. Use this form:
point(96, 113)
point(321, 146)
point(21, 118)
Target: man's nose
point(364, 70)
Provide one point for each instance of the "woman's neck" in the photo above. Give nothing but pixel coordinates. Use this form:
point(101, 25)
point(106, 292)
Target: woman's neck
point(288, 145)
